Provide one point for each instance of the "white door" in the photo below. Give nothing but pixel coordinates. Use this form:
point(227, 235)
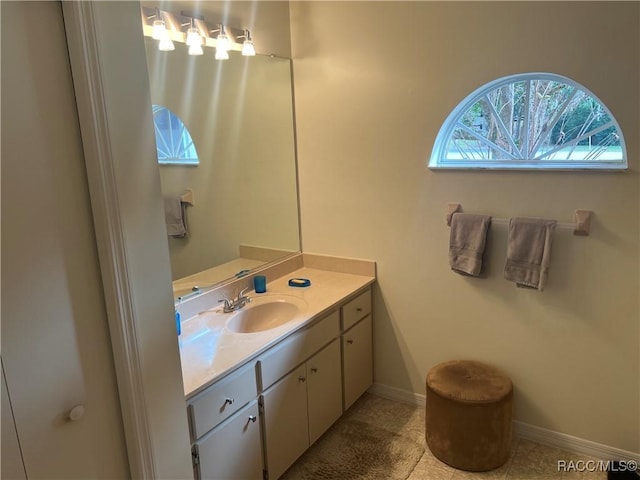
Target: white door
point(56, 351)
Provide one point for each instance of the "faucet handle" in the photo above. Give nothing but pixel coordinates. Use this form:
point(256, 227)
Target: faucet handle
point(242, 299)
point(227, 303)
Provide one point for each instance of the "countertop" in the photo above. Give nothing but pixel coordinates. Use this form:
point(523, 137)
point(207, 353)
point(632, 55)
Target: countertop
point(209, 351)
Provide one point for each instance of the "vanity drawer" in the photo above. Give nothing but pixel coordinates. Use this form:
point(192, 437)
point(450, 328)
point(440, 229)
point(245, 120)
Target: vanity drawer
point(356, 309)
point(221, 400)
point(284, 357)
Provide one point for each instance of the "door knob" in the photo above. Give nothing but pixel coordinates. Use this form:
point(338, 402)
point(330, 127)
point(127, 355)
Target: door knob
point(76, 413)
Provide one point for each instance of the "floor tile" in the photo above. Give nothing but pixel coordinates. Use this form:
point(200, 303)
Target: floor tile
point(527, 460)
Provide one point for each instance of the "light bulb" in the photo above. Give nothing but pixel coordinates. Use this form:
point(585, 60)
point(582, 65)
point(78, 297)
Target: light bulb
point(196, 50)
point(222, 54)
point(159, 30)
point(166, 45)
point(248, 50)
point(193, 37)
point(222, 41)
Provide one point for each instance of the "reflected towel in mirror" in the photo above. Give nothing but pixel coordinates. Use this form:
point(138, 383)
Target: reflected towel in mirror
point(175, 215)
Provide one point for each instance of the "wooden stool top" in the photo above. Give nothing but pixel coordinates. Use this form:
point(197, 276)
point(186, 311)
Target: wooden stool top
point(469, 381)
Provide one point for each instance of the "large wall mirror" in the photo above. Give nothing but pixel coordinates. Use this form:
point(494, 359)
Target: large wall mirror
point(239, 113)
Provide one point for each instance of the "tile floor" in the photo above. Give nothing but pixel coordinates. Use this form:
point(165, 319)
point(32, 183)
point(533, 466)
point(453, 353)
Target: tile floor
point(528, 460)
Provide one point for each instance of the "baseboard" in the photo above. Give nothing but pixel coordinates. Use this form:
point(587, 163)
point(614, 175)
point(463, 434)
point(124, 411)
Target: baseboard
point(397, 394)
point(571, 443)
point(524, 430)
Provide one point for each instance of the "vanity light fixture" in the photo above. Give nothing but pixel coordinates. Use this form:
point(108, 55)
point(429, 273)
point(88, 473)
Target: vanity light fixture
point(194, 40)
point(222, 54)
point(159, 28)
point(167, 28)
point(195, 50)
point(222, 40)
point(165, 44)
point(159, 32)
point(222, 43)
point(248, 50)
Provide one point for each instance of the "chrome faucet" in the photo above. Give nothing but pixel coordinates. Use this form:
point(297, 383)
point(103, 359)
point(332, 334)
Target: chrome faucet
point(235, 304)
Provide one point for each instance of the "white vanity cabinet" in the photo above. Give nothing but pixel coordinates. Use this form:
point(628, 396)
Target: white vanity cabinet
point(233, 450)
point(357, 350)
point(225, 430)
point(298, 409)
point(257, 421)
point(302, 405)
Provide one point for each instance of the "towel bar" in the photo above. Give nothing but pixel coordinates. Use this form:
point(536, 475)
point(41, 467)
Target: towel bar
point(581, 224)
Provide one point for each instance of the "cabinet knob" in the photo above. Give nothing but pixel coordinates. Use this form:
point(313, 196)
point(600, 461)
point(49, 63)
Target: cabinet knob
point(350, 342)
point(302, 379)
point(76, 413)
point(228, 401)
point(359, 309)
point(314, 370)
point(253, 418)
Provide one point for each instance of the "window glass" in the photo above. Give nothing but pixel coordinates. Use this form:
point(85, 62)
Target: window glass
point(530, 121)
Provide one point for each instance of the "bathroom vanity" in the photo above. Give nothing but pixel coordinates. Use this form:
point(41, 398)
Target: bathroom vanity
point(256, 401)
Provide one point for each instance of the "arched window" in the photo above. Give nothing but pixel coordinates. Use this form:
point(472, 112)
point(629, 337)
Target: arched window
point(530, 121)
point(173, 141)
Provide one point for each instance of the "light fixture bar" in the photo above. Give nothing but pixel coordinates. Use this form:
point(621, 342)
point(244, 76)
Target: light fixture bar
point(179, 27)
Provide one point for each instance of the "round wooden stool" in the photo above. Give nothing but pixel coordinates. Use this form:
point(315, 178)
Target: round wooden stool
point(468, 415)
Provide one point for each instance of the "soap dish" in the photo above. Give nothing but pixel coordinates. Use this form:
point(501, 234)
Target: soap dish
point(299, 282)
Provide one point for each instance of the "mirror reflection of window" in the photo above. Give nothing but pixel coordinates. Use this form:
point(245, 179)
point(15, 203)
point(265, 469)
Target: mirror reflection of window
point(173, 140)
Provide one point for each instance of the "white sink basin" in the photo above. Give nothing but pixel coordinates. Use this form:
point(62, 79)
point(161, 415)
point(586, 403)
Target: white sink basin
point(266, 312)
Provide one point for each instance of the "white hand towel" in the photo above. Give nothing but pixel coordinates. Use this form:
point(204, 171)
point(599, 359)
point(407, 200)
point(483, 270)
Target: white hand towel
point(529, 251)
point(175, 216)
point(467, 242)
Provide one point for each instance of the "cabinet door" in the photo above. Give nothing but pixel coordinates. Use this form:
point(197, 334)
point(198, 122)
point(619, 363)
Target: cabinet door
point(324, 390)
point(221, 400)
point(232, 451)
point(285, 421)
point(357, 354)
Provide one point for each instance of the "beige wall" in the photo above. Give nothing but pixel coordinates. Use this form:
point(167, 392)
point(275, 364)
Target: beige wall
point(374, 82)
